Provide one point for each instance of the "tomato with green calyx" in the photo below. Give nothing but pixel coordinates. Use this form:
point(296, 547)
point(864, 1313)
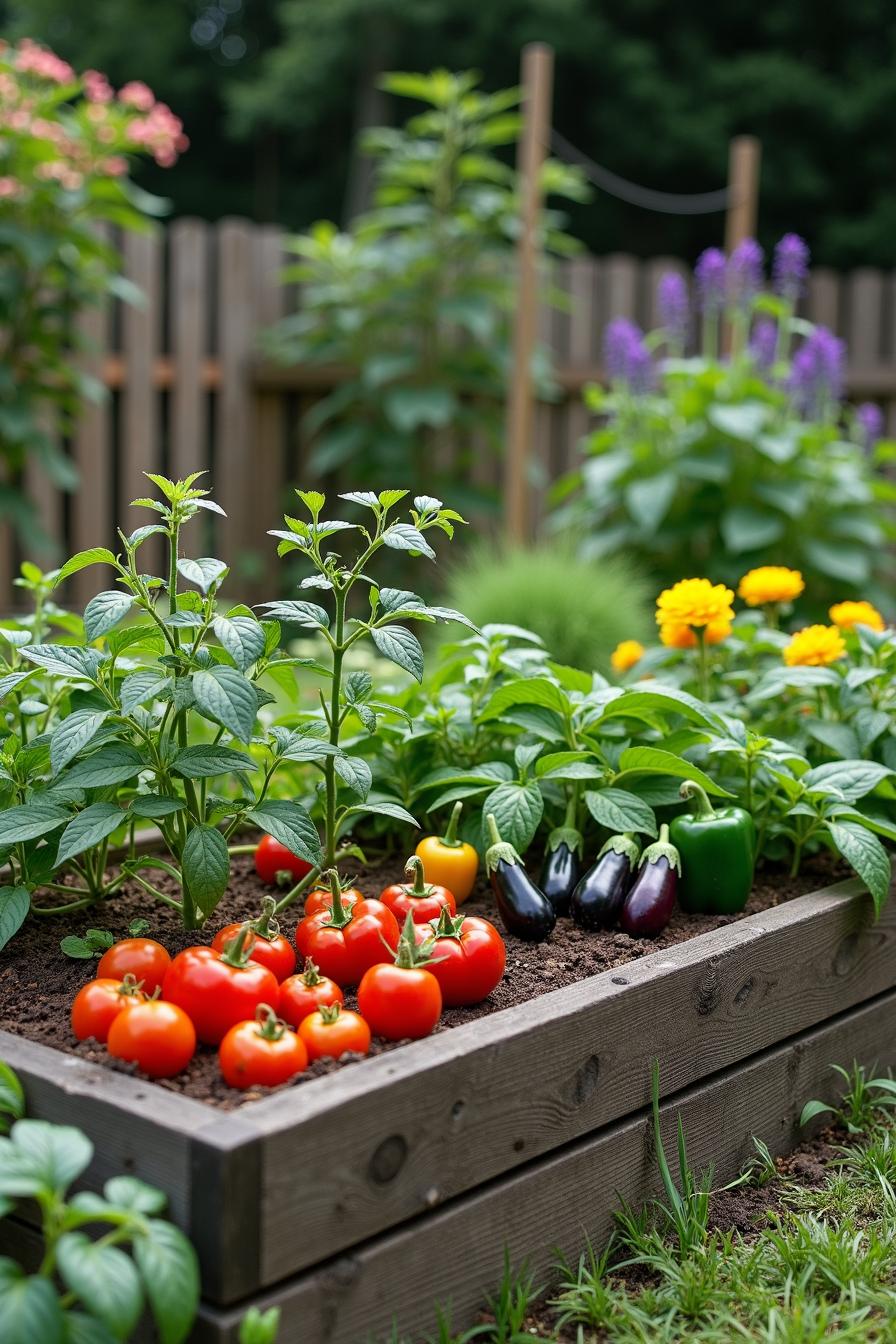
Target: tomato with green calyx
point(98, 1003)
point(270, 948)
point(261, 1053)
point(345, 941)
point(419, 898)
point(448, 861)
point(321, 898)
point(402, 1000)
point(277, 865)
point(219, 989)
point(468, 958)
point(301, 995)
point(156, 1036)
point(332, 1031)
point(143, 958)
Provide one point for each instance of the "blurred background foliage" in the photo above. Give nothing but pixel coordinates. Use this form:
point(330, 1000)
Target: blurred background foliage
point(274, 92)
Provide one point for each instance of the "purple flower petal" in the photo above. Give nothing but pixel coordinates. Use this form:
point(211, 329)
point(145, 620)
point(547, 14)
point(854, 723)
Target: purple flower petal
point(764, 344)
point(791, 266)
point(709, 275)
point(673, 306)
point(744, 273)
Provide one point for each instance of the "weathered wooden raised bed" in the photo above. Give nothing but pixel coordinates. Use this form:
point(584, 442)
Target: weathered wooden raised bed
point(367, 1195)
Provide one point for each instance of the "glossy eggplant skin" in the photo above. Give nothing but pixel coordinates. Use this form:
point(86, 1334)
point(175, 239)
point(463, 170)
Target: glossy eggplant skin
point(649, 904)
point(559, 876)
point(525, 911)
point(598, 897)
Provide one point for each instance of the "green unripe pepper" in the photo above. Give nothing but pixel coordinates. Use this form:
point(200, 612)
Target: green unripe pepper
point(718, 851)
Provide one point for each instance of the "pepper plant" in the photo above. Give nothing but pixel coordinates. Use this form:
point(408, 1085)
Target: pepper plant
point(351, 693)
point(156, 713)
point(87, 1287)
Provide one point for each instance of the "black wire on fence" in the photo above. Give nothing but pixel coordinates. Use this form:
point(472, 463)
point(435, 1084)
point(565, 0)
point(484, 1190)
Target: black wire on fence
point(667, 202)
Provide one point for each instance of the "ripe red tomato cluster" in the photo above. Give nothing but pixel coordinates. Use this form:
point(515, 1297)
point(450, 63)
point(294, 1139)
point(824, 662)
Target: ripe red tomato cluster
point(243, 995)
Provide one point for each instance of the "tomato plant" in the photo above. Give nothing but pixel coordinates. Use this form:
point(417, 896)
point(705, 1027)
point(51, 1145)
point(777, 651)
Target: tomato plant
point(156, 1036)
point(345, 941)
point(332, 1031)
point(261, 1053)
point(98, 1003)
point(270, 948)
point(301, 994)
point(421, 899)
point(219, 989)
point(402, 999)
point(321, 898)
point(143, 958)
point(468, 958)
point(276, 864)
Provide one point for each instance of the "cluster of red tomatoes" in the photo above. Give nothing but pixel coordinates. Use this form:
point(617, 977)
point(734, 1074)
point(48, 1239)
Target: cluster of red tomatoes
point(409, 954)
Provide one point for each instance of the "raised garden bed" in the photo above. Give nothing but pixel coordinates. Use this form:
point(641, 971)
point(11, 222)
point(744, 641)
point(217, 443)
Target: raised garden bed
point(338, 1197)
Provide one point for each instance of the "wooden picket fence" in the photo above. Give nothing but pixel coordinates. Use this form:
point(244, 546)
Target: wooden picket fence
point(188, 389)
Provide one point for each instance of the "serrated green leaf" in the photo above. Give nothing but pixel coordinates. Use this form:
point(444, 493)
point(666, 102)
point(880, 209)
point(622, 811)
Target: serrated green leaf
point(96, 555)
point(404, 537)
point(28, 821)
point(619, 811)
point(866, 856)
point(73, 734)
point(400, 646)
point(112, 764)
point(517, 809)
point(104, 612)
point(139, 687)
point(289, 823)
point(243, 638)
point(203, 572)
point(227, 697)
point(204, 761)
point(355, 772)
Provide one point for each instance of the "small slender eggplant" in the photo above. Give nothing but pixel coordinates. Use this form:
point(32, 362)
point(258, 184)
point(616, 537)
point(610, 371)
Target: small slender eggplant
point(598, 898)
point(562, 862)
point(525, 911)
point(648, 906)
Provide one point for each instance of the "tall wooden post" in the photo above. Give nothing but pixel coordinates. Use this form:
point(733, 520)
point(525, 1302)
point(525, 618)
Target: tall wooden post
point(743, 187)
point(537, 79)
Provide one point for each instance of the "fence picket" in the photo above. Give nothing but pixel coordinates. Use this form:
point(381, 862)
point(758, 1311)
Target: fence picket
point(188, 291)
point(267, 447)
point(141, 441)
point(235, 482)
point(92, 505)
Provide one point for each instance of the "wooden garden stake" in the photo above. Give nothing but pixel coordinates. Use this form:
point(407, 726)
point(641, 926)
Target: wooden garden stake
point(743, 186)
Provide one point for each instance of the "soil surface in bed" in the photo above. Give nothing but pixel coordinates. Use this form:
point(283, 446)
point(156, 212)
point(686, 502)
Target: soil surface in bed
point(38, 981)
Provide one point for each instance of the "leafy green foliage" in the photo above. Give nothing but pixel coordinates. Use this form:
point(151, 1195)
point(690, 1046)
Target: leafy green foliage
point(87, 1285)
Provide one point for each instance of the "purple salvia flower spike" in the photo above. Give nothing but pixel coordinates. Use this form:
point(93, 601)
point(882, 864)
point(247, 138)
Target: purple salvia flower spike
point(709, 276)
point(673, 308)
point(870, 420)
point(744, 273)
point(791, 266)
point(764, 344)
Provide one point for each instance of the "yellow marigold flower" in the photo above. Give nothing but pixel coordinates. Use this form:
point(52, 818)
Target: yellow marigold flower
point(626, 654)
point(682, 636)
point(770, 583)
point(815, 646)
point(695, 602)
point(847, 615)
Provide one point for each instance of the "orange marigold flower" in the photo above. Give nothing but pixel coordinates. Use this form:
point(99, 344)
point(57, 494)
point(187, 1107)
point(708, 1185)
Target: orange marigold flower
point(695, 602)
point(815, 646)
point(626, 654)
point(676, 636)
point(770, 583)
point(847, 615)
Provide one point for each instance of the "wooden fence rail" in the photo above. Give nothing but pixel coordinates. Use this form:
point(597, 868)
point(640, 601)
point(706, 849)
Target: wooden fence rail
point(188, 389)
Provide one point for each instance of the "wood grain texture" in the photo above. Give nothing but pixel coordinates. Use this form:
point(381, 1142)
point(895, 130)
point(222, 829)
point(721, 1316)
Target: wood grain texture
point(92, 508)
point(140, 448)
point(234, 473)
point(188, 281)
point(417, 1116)
point(557, 1202)
point(268, 411)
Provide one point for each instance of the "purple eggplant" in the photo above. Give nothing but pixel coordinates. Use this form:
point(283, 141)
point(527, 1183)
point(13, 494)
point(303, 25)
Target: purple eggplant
point(525, 911)
point(648, 906)
point(562, 863)
point(598, 897)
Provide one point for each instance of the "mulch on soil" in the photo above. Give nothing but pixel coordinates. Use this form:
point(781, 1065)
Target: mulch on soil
point(38, 982)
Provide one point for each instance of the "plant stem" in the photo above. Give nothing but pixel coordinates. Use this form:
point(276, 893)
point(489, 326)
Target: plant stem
point(703, 665)
point(330, 767)
point(295, 892)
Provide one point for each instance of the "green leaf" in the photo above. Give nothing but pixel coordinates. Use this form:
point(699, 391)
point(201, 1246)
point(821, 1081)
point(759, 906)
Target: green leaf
point(82, 1329)
point(104, 1279)
point(654, 761)
point(73, 734)
point(404, 537)
point(289, 823)
point(643, 704)
point(28, 821)
point(812, 1109)
point(128, 1192)
point(648, 499)
point(517, 809)
point(307, 614)
point(50, 1156)
point(155, 805)
point(206, 760)
point(104, 611)
point(853, 778)
point(743, 421)
point(383, 809)
point(65, 660)
point(205, 864)
point(30, 1311)
point(227, 697)
point(837, 560)
point(745, 528)
point(112, 764)
point(12, 1094)
point(527, 691)
point(355, 772)
point(260, 1327)
point(139, 687)
point(620, 811)
point(15, 902)
point(88, 828)
point(170, 1273)
point(203, 573)
point(866, 856)
point(400, 646)
point(242, 637)
point(407, 408)
point(96, 555)
point(9, 682)
point(839, 737)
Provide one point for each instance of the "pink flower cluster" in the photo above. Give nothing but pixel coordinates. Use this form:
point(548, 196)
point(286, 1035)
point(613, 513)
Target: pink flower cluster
point(160, 131)
point(33, 59)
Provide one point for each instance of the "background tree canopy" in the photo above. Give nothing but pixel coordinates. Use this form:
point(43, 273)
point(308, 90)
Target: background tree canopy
point(272, 93)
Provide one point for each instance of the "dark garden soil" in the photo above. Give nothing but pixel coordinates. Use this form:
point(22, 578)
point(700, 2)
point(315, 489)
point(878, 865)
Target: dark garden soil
point(38, 981)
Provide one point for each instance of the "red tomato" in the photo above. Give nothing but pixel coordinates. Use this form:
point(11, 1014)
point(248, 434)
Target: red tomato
point(143, 958)
point(275, 863)
point(157, 1036)
point(218, 989)
point(261, 1053)
point(468, 959)
point(346, 943)
point(98, 1003)
point(400, 1002)
point(333, 1031)
point(275, 952)
point(321, 899)
point(424, 900)
point(301, 994)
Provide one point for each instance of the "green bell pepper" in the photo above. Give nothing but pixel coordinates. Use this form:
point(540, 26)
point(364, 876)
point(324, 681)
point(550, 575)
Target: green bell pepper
point(718, 851)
